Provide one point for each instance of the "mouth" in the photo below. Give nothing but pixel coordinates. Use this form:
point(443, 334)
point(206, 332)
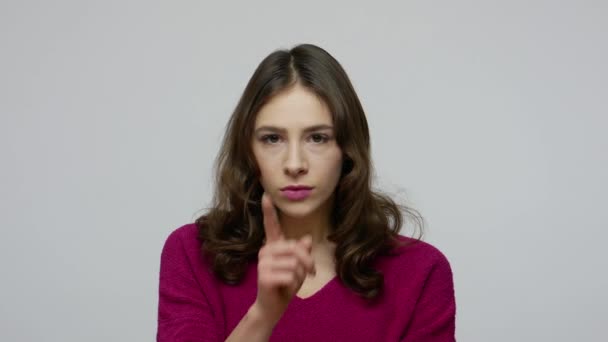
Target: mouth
point(296, 192)
point(297, 187)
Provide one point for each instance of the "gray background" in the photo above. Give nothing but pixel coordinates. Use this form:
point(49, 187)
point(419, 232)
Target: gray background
point(487, 116)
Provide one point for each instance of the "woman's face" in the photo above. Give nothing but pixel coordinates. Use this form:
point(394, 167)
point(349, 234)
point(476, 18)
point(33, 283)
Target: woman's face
point(294, 145)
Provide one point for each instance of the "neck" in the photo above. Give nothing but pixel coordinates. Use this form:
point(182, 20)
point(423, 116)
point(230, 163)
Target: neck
point(318, 225)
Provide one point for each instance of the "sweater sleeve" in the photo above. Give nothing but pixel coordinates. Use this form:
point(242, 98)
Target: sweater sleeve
point(435, 312)
point(184, 314)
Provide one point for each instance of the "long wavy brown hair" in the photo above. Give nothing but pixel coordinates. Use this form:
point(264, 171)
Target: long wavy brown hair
point(365, 223)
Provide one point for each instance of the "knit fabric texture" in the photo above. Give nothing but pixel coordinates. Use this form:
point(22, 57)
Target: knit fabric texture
point(417, 303)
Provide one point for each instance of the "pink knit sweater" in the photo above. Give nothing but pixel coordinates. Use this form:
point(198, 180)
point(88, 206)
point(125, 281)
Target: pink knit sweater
point(417, 303)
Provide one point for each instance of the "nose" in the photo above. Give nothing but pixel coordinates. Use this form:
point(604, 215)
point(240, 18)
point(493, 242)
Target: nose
point(295, 163)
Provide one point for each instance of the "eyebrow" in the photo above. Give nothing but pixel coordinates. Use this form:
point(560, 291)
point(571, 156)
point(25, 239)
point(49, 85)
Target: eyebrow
point(283, 130)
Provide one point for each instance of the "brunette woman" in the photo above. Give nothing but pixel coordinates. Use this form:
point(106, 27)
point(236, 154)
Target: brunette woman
point(297, 246)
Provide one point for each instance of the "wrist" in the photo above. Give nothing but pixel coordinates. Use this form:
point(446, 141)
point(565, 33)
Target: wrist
point(261, 319)
point(254, 326)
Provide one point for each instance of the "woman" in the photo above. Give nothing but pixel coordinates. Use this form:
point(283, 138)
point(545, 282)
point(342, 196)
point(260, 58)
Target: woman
point(297, 246)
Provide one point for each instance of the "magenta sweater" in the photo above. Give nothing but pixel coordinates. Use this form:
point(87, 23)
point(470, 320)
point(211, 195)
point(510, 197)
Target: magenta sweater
point(417, 303)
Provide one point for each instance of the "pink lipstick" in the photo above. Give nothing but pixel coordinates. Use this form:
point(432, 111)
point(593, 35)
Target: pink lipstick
point(296, 192)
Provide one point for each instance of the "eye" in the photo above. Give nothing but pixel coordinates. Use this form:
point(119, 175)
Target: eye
point(270, 138)
point(319, 138)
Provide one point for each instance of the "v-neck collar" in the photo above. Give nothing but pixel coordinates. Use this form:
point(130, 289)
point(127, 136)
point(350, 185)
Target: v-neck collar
point(319, 292)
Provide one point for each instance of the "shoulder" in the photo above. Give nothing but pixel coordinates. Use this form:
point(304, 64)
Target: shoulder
point(413, 248)
point(414, 257)
point(183, 244)
point(419, 283)
point(184, 236)
point(185, 231)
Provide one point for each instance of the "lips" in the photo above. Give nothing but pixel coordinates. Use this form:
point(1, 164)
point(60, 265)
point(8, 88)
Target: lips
point(296, 187)
point(296, 192)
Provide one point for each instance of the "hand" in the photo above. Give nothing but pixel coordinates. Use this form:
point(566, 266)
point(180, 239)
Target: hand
point(282, 265)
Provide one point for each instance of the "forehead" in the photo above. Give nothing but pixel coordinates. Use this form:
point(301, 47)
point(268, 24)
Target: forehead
point(293, 108)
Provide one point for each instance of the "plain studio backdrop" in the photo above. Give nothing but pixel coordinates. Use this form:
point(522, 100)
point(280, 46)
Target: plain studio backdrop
point(489, 117)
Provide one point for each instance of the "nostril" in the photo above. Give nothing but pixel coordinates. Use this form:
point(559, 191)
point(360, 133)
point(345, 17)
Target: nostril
point(295, 170)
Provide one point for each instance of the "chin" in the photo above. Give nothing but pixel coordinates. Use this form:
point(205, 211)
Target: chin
point(296, 210)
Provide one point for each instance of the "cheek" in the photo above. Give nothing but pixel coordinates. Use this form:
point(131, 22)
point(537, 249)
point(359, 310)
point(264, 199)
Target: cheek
point(267, 167)
point(332, 165)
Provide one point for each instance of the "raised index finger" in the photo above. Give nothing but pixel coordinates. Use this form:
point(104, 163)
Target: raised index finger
point(272, 227)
